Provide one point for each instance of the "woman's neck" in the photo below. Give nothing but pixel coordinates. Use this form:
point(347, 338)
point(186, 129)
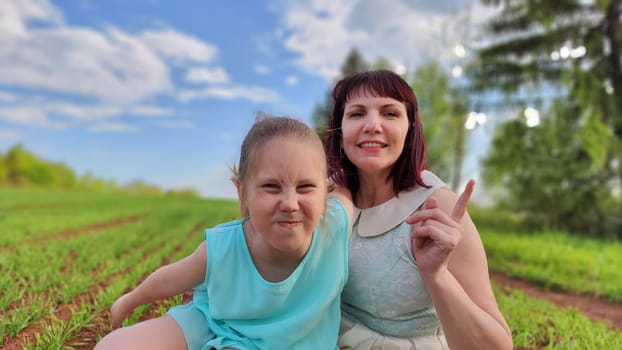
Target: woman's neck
point(373, 191)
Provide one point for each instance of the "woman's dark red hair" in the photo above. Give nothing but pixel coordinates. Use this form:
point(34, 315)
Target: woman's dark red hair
point(406, 172)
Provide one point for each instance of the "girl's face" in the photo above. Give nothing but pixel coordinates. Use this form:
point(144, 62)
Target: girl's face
point(286, 193)
point(374, 131)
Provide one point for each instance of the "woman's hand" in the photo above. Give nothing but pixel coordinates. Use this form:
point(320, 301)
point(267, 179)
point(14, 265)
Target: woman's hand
point(120, 310)
point(438, 233)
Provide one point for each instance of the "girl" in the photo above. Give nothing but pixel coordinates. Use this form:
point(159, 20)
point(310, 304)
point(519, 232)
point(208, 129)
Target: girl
point(271, 280)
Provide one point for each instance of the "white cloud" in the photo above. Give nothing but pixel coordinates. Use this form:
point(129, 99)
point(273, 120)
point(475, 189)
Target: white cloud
point(112, 127)
point(149, 111)
point(207, 75)
point(322, 32)
point(261, 69)
point(112, 71)
point(291, 80)
point(252, 93)
point(178, 46)
point(7, 97)
point(177, 124)
point(14, 15)
point(81, 111)
point(29, 116)
point(317, 30)
point(107, 66)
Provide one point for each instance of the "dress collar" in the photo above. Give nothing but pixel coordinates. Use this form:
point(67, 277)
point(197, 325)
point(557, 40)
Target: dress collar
point(377, 220)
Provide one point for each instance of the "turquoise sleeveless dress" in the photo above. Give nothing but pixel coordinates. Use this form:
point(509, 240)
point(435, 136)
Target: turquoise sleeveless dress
point(235, 307)
point(385, 304)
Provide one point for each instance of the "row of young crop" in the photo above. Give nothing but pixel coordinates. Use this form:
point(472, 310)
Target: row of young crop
point(47, 273)
point(59, 277)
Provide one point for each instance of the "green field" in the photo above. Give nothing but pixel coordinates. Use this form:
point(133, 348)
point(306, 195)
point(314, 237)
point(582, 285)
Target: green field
point(66, 256)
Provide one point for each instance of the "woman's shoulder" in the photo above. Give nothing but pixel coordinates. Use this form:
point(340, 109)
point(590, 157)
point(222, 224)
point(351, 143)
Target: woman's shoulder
point(430, 179)
point(382, 218)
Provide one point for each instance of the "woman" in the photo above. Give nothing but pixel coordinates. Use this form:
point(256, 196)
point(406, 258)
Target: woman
point(421, 286)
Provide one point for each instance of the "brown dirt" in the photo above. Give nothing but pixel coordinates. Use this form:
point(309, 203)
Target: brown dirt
point(597, 309)
point(62, 311)
point(72, 233)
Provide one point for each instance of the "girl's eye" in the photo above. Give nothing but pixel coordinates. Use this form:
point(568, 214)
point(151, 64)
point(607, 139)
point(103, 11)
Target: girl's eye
point(270, 186)
point(306, 187)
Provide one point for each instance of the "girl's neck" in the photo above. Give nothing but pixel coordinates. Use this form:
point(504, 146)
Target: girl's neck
point(373, 191)
point(272, 265)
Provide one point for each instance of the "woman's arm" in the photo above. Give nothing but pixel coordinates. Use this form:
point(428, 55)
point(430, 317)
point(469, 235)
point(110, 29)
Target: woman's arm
point(453, 266)
point(165, 282)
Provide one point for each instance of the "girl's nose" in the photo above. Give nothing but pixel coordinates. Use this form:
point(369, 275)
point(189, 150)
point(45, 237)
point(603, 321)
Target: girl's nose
point(289, 201)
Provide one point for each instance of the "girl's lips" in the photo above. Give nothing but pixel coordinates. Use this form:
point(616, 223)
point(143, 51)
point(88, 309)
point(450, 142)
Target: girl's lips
point(288, 224)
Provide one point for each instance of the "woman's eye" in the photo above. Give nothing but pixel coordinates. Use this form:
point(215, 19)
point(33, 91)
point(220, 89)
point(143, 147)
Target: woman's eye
point(355, 114)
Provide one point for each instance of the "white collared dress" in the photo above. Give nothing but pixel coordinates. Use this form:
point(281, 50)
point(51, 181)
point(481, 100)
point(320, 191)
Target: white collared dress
point(385, 304)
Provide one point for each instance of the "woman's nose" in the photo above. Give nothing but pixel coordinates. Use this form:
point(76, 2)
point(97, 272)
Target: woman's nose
point(372, 123)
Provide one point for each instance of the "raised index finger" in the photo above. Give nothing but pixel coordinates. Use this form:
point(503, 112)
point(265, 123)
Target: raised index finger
point(463, 200)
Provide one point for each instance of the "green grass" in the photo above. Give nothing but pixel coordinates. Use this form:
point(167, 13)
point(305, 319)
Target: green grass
point(537, 324)
point(558, 261)
point(43, 268)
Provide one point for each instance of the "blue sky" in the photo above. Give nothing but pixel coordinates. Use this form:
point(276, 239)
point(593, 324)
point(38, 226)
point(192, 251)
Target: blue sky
point(165, 91)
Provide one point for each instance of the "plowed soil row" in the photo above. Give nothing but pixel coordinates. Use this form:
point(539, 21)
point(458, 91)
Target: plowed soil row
point(86, 339)
point(597, 309)
point(68, 234)
point(72, 233)
point(63, 312)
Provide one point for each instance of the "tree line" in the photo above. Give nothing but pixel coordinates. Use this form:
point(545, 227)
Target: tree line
point(20, 167)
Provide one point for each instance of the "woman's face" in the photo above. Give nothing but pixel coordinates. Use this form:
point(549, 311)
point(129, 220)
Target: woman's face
point(374, 130)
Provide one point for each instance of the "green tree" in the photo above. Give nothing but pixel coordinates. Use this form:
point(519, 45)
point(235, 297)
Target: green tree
point(353, 63)
point(570, 47)
point(90, 182)
point(550, 173)
point(139, 186)
point(26, 168)
point(3, 170)
point(443, 111)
